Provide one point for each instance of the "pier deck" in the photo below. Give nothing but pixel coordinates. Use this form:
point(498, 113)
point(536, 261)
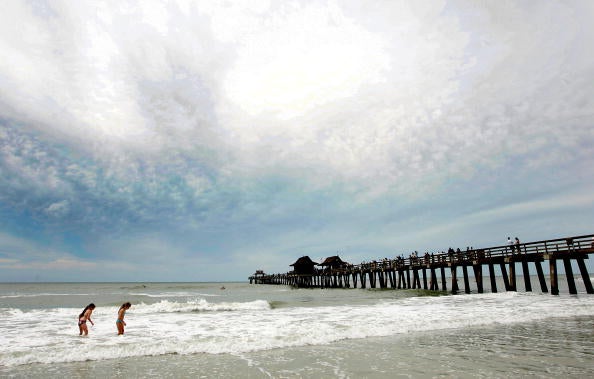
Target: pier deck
point(422, 272)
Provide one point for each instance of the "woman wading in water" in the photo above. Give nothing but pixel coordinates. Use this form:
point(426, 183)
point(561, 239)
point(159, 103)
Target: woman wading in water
point(120, 321)
point(85, 316)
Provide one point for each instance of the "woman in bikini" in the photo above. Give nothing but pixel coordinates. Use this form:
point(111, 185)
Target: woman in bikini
point(85, 316)
point(120, 321)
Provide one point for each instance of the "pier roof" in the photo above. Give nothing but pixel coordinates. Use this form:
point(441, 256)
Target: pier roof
point(333, 261)
point(303, 261)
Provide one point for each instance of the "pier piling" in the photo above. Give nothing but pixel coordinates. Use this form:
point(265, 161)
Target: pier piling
point(466, 282)
point(541, 277)
point(553, 271)
point(492, 276)
point(585, 275)
point(526, 274)
point(569, 276)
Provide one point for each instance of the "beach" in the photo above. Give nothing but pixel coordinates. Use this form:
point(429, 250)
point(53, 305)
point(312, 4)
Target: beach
point(265, 331)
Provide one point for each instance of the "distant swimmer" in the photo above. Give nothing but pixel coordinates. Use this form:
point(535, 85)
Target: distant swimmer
point(85, 316)
point(120, 321)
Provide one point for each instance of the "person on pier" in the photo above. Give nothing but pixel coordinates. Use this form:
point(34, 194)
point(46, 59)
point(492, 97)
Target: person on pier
point(517, 244)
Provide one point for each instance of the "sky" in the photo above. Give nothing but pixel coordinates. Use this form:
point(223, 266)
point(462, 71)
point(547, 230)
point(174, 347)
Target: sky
point(203, 140)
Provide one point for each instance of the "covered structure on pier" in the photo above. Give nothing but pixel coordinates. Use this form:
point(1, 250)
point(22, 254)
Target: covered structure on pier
point(304, 265)
point(333, 263)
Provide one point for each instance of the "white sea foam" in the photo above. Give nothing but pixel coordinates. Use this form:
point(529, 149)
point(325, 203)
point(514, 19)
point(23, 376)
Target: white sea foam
point(199, 326)
point(166, 306)
point(173, 294)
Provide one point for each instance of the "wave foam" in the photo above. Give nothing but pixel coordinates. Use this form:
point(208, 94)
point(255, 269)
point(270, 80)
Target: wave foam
point(170, 327)
point(200, 305)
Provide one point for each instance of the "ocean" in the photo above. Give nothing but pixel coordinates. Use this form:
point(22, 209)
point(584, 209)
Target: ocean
point(241, 330)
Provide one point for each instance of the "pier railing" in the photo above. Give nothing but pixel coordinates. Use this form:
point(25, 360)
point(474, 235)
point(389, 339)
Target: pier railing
point(396, 272)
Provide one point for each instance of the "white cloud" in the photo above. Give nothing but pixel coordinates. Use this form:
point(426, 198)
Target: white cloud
point(368, 98)
point(200, 116)
point(447, 107)
point(59, 208)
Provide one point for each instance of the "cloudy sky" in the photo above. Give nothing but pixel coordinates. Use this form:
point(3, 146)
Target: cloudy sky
point(202, 140)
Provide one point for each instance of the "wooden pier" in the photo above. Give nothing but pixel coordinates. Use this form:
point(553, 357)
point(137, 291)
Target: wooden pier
point(429, 271)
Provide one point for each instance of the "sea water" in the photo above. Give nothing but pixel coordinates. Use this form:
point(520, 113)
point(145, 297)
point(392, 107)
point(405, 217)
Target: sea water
point(238, 330)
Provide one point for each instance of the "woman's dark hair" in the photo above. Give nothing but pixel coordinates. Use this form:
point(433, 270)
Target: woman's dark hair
point(126, 305)
point(91, 306)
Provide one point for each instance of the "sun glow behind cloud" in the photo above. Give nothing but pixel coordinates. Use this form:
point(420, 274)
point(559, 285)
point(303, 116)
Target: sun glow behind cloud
point(302, 60)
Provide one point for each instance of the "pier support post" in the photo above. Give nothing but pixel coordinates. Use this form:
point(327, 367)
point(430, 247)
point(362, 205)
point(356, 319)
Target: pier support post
point(381, 278)
point(424, 279)
point(363, 278)
point(443, 279)
point(466, 283)
point(541, 277)
point(569, 276)
point(512, 276)
point(553, 270)
point(478, 276)
point(408, 278)
point(454, 281)
point(504, 276)
point(492, 276)
point(585, 275)
point(434, 286)
point(526, 273)
point(372, 278)
point(416, 279)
